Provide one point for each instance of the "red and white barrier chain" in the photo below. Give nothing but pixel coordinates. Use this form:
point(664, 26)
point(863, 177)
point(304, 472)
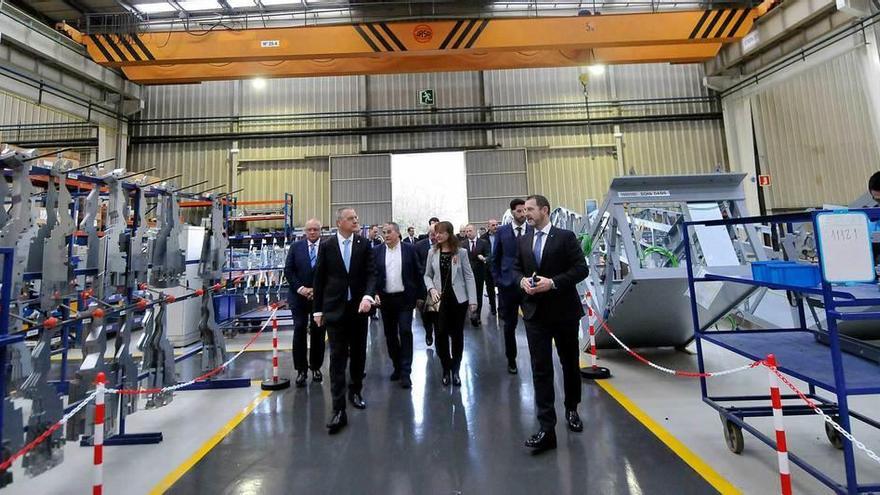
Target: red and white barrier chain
point(692, 374)
point(828, 419)
point(88, 399)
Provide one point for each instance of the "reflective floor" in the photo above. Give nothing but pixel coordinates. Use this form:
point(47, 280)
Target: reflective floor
point(435, 440)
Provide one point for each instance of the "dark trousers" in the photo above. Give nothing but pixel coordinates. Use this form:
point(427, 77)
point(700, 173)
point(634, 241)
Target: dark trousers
point(490, 291)
point(541, 336)
point(511, 298)
point(348, 347)
point(397, 318)
point(479, 280)
point(450, 327)
point(307, 357)
point(429, 321)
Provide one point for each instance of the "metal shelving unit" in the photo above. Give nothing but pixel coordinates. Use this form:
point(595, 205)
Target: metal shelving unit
point(800, 353)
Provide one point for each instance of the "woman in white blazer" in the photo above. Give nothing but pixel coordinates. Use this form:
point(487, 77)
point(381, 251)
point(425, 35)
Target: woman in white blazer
point(450, 282)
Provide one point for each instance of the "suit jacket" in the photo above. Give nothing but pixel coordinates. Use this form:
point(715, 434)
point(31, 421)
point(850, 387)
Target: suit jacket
point(491, 261)
point(482, 248)
point(332, 282)
point(463, 284)
point(422, 248)
point(563, 262)
point(505, 253)
point(412, 272)
point(299, 273)
point(415, 239)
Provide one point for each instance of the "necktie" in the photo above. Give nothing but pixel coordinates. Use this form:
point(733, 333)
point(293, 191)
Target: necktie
point(346, 253)
point(518, 231)
point(312, 255)
point(537, 249)
point(473, 246)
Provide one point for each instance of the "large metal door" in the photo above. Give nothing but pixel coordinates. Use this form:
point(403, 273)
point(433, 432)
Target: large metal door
point(362, 182)
point(494, 177)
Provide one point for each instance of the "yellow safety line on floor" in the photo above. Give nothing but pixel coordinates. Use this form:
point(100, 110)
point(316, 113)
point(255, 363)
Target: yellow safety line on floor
point(206, 447)
point(687, 455)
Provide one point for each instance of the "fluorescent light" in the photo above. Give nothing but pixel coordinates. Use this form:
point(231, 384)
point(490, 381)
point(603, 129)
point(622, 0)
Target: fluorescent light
point(596, 69)
point(258, 83)
point(239, 4)
point(190, 5)
point(277, 2)
point(155, 8)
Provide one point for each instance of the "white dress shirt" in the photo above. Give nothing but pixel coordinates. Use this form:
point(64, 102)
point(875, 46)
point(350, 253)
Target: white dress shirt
point(546, 231)
point(522, 228)
point(393, 269)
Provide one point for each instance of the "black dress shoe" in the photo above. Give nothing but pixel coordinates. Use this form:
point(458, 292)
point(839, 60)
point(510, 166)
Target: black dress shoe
point(357, 400)
point(511, 368)
point(301, 378)
point(317, 376)
point(574, 421)
point(395, 376)
point(445, 379)
point(475, 323)
point(429, 340)
point(541, 441)
point(405, 382)
point(337, 422)
point(456, 380)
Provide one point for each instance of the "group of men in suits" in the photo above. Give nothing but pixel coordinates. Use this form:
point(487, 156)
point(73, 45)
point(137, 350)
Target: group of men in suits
point(534, 265)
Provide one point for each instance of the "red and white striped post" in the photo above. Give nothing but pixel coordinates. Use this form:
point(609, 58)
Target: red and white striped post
point(98, 436)
point(276, 382)
point(781, 445)
point(594, 371)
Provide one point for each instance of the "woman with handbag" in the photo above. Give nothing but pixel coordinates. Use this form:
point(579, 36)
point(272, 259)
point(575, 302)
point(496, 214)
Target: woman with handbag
point(451, 292)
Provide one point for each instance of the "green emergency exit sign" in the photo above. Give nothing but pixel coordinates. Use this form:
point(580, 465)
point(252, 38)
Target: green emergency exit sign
point(426, 97)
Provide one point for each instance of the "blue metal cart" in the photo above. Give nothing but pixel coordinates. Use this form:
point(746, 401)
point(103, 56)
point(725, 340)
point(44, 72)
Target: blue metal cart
point(800, 353)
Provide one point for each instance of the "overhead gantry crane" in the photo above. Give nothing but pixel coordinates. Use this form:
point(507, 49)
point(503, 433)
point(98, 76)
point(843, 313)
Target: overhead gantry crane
point(220, 53)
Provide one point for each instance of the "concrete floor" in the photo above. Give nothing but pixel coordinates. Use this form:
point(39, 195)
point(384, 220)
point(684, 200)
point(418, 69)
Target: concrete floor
point(434, 439)
point(466, 440)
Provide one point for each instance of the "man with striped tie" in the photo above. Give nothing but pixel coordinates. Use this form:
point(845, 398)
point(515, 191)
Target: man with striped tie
point(300, 273)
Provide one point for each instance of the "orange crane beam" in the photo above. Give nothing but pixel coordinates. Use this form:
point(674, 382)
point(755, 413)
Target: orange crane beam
point(408, 39)
point(472, 61)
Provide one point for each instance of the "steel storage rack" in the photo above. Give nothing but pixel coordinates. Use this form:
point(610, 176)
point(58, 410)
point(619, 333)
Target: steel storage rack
point(814, 356)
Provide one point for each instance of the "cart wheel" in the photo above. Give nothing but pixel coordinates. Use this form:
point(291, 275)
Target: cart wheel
point(733, 435)
point(833, 435)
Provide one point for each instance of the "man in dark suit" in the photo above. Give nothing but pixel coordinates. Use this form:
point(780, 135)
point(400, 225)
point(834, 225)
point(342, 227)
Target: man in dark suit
point(489, 237)
point(411, 236)
point(345, 287)
point(548, 268)
point(431, 223)
point(429, 319)
point(502, 270)
point(373, 236)
point(399, 282)
point(478, 255)
point(300, 273)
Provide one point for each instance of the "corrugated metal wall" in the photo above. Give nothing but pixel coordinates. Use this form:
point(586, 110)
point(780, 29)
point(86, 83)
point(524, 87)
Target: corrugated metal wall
point(308, 180)
point(569, 174)
point(15, 110)
point(363, 183)
point(812, 127)
point(493, 178)
point(196, 161)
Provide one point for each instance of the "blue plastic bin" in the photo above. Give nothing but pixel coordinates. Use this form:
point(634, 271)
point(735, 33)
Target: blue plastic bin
point(787, 273)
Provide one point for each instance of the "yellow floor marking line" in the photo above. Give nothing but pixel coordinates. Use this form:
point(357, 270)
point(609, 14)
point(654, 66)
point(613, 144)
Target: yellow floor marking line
point(206, 447)
point(687, 455)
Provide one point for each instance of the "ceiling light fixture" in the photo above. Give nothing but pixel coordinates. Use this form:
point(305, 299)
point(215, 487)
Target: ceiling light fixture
point(596, 69)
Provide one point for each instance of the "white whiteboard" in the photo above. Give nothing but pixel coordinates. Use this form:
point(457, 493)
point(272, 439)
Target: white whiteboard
point(845, 245)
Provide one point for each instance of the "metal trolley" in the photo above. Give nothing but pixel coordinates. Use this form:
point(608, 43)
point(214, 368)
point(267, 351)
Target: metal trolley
point(823, 358)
